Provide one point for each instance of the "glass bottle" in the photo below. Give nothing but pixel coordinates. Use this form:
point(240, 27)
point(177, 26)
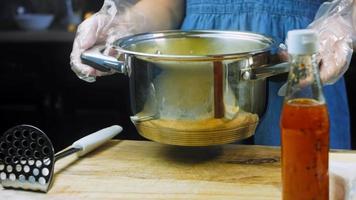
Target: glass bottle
point(304, 123)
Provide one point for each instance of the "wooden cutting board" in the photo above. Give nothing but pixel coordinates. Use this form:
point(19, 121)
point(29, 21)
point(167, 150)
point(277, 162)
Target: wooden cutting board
point(148, 170)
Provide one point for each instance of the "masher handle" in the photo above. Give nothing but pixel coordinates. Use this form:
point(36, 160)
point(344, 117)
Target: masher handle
point(94, 140)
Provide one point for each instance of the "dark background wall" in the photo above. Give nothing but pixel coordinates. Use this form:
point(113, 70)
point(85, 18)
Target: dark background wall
point(37, 86)
point(9, 8)
point(350, 78)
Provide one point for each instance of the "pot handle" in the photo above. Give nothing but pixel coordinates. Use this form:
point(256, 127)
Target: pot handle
point(95, 58)
point(264, 72)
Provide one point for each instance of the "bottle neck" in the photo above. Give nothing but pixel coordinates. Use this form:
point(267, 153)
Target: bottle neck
point(304, 79)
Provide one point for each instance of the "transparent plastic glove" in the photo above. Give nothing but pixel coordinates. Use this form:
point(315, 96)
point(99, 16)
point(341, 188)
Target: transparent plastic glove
point(283, 57)
point(342, 180)
point(334, 25)
point(103, 27)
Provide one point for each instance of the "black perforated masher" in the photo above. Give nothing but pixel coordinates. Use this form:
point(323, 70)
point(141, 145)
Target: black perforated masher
point(27, 156)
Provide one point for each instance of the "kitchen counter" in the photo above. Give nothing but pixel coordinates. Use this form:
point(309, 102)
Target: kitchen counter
point(147, 170)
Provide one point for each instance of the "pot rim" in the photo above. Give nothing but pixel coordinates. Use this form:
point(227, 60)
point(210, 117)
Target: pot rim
point(119, 45)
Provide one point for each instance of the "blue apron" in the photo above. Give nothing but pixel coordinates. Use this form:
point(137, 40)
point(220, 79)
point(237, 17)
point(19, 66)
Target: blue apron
point(274, 18)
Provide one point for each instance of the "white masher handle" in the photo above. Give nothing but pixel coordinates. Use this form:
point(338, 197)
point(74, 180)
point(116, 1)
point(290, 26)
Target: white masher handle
point(94, 140)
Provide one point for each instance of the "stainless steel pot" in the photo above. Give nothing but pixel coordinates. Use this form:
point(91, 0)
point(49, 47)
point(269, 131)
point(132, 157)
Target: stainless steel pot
point(194, 88)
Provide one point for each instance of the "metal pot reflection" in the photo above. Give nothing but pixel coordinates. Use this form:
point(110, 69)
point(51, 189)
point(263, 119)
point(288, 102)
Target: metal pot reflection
point(193, 88)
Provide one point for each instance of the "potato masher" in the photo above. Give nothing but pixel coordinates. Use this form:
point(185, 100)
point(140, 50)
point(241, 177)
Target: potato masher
point(27, 156)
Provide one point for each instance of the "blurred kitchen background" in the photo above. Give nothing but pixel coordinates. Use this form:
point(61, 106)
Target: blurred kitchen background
point(37, 86)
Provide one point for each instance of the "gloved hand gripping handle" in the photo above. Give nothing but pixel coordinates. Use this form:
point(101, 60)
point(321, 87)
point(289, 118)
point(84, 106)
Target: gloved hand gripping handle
point(95, 58)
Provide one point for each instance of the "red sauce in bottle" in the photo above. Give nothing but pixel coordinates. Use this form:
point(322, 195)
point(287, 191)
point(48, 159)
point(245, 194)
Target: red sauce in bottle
point(305, 148)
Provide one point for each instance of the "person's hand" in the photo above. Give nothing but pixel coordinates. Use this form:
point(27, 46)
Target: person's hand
point(119, 18)
point(335, 50)
point(91, 31)
point(335, 25)
point(103, 27)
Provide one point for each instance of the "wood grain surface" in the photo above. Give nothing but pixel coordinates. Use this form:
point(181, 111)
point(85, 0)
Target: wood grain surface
point(148, 170)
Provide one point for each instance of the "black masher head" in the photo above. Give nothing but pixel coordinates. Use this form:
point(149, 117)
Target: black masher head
point(26, 159)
